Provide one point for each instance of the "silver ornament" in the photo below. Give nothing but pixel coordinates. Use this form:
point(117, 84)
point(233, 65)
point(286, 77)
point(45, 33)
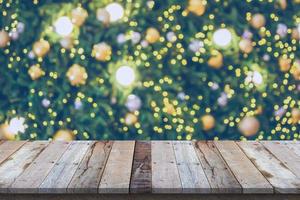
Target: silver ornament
point(31, 55)
point(282, 30)
point(222, 100)
point(144, 43)
point(135, 37)
point(195, 45)
point(20, 27)
point(121, 38)
point(280, 112)
point(181, 96)
point(133, 103)
point(46, 103)
point(14, 35)
point(214, 86)
point(171, 36)
point(78, 104)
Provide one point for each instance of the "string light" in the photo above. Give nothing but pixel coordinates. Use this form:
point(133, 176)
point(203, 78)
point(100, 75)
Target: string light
point(125, 76)
point(115, 10)
point(222, 37)
point(63, 26)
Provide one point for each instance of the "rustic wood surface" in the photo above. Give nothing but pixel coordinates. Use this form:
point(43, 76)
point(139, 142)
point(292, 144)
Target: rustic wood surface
point(207, 167)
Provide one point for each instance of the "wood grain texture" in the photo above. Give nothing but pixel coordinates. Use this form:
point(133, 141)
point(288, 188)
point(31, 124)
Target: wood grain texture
point(18, 162)
point(165, 175)
point(30, 180)
point(275, 171)
point(249, 177)
point(149, 167)
point(285, 155)
point(217, 171)
point(141, 178)
point(192, 176)
point(116, 175)
point(87, 177)
point(61, 174)
point(293, 146)
point(7, 148)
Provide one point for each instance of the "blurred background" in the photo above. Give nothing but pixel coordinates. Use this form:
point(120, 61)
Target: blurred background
point(137, 69)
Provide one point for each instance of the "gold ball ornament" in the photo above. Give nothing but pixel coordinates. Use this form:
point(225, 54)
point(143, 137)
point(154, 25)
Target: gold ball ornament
point(67, 42)
point(246, 46)
point(64, 135)
point(295, 34)
point(216, 60)
point(102, 51)
point(169, 108)
point(259, 110)
point(35, 72)
point(258, 21)
point(296, 73)
point(284, 64)
point(77, 75)
point(78, 16)
point(197, 7)
point(152, 35)
point(41, 48)
point(295, 115)
point(103, 16)
point(249, 126)
point(5, 133)
point(4, 39)
point(208, 122)
point(130, 119)
point(282, 4)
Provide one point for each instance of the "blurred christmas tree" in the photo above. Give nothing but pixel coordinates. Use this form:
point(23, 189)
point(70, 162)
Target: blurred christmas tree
point(135, 69)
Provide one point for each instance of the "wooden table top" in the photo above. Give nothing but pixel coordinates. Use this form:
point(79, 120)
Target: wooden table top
point(149, 166)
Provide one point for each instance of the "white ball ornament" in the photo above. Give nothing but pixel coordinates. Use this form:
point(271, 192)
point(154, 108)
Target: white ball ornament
point(125, 75)
point(222, 37)
point(63, 26)
point(115, 10)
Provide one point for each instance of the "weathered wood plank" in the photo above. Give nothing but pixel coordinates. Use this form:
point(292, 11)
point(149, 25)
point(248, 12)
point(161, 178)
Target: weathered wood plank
point(250, 178)
point(7, 148)
point(293, 146)
point(282, 179)
point(217, 171)
point(87, 177)
point(284, 154)
point(165, 175)
point(192, 176)
point(30, 180)
point(141, 178)
point(116, 175)
point(18, 162)
point(61, 174)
